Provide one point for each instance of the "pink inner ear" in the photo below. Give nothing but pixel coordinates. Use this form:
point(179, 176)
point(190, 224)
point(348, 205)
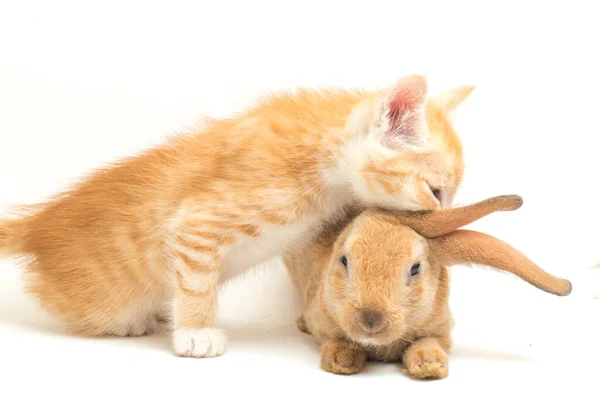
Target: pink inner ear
point(406, 98)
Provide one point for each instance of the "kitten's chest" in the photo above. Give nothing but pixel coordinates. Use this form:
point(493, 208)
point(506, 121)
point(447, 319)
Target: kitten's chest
point(248, 251)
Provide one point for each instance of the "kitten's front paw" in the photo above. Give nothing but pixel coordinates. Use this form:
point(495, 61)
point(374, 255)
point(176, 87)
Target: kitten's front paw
point(200, 343)
point(343, 358)
point(426, 363)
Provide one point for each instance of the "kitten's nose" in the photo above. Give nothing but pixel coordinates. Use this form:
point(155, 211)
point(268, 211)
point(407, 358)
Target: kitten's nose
point(371, 321)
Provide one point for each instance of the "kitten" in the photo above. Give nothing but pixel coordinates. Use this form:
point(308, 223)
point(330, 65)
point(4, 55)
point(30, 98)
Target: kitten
point(149, 238)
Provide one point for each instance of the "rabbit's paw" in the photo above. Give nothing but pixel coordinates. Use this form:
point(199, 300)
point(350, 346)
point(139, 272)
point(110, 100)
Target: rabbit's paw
point(424, 362)
point(341, 357)
point(301, 325)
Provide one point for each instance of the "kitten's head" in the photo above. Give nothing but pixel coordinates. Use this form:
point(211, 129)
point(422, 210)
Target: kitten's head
point(404, 152)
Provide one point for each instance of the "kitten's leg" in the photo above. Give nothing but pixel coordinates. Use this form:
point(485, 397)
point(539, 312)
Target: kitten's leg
point(427, 359)
point(341, 357)
point(138, 319)
point(196, 332)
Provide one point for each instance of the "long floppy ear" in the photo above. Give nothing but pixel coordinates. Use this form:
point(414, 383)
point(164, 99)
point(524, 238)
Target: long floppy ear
point(470, 247)
point(435, 223)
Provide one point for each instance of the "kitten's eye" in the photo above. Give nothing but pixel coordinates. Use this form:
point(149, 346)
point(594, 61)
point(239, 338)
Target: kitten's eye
point(415, 269)
point(437, 193)
point(344, 261)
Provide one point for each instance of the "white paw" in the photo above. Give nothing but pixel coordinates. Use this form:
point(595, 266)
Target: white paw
point(207, 342)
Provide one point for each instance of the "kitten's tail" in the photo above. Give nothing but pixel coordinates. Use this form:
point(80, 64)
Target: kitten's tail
point(11, 231)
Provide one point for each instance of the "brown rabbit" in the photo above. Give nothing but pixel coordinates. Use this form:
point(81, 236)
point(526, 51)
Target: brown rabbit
point(376, 287)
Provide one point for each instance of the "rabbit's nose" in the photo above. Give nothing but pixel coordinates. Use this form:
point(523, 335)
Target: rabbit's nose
point(371, 321)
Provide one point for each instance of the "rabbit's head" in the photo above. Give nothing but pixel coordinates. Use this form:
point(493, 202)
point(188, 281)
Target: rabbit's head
point(387, 269)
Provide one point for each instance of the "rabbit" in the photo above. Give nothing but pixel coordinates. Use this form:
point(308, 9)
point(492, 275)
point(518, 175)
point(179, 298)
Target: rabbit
point(376, 284)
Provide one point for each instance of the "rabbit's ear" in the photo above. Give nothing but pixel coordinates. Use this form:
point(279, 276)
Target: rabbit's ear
point(435, 223)
point(469, 247)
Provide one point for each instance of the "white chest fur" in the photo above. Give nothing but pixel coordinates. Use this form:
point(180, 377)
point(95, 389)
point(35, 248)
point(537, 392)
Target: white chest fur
point(251, 251)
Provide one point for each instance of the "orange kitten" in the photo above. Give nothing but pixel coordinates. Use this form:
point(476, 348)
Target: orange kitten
point(149, 239)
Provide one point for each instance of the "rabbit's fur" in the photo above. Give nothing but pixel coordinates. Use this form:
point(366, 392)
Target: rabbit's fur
point(390, 301)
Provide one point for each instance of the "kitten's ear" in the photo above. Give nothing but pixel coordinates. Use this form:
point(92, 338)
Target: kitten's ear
point(447, 101)
point(402, 114)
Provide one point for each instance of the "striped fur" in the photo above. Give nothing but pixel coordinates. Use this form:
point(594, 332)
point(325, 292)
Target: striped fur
point(147, 240)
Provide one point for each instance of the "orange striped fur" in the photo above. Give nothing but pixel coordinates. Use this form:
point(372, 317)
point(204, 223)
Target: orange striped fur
point(149, 238)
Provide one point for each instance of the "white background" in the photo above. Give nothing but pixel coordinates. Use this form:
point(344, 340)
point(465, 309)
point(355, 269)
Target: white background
point(83, 84)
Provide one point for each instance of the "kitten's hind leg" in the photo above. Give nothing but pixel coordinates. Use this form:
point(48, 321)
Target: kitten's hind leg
point(138, 320)
point(115, 327)
point(157, 324)
point(148, 326)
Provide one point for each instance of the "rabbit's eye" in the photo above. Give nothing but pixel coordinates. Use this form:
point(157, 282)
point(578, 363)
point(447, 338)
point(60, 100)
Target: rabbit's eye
point(344, 261)
point(437, 193)
point(415, 269)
